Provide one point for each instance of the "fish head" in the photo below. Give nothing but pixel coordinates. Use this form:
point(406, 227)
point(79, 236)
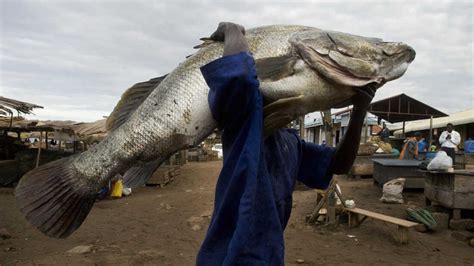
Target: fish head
point(352, 60)
point(321, 71)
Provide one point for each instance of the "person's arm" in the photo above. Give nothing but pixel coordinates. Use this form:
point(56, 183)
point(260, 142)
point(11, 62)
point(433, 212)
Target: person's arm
point(346, 150)
point(442, 137)
point(233, 86)
point(455, 138)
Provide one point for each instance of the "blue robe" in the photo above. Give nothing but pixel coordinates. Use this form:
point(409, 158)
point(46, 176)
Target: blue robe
point(253, 196)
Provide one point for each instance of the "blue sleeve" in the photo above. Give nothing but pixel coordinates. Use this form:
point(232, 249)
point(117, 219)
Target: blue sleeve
point(315, 162)
point(233, 85)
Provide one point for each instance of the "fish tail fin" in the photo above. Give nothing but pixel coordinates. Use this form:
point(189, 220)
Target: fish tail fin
point(137, 176)
point(55, 198)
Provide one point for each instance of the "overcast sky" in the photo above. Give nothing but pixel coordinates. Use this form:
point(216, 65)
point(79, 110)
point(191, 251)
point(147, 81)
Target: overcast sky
point(75, 58)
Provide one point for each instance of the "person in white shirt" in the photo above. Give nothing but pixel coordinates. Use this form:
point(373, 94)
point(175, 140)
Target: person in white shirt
point(449, 141)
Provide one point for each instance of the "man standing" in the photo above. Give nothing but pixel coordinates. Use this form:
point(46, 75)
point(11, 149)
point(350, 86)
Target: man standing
point(384, 133)
point(449, 141)
point(253, 197)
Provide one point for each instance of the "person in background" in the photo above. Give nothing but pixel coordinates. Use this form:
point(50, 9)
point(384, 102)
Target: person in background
point(422, 145)
point(410, 149)
point(384, 133)
point(433, 147)
point(449, 140)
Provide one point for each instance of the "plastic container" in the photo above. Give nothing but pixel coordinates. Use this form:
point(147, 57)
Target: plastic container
point(469, 146)
point(117, 190)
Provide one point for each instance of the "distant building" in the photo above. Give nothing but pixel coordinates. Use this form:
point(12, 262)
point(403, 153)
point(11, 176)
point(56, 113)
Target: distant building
point(315, 132)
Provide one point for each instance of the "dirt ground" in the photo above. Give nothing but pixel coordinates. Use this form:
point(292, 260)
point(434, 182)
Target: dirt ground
point(165, 226)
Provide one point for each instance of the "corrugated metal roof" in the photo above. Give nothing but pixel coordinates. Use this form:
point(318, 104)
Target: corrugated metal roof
point(402, 107)
point(460, 118)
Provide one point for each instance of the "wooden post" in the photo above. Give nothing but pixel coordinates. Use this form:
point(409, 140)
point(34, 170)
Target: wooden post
point(327, 122)
point(39, 149)
point(366, 127)
point(46, 140)
point(403, 130)
point(301, 120)
point(59, 145)
point(332, 208)
point(431, 132)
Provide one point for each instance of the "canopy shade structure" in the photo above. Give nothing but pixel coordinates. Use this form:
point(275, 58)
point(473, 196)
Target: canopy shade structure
point(461, 118)
point(402, 108)
point(7, 106)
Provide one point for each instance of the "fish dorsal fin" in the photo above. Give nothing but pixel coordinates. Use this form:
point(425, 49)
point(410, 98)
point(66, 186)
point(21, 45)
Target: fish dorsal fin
point(275, 68)
point(130, 100)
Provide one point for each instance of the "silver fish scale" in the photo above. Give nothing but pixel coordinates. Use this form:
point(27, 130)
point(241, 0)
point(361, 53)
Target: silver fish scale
point(175, 114)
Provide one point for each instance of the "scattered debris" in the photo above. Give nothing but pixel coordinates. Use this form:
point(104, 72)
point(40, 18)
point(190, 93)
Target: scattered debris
point(151, 253)
point(4, 234)
point(166, 206)
point(206, 214)
point(196, 227)
point(300, 261)
point(80, 249)
point(351, 236)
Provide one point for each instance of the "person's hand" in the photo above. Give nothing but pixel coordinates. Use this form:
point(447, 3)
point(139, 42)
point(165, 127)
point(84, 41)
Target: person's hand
point(364, 96)
point(225, 28)
point(448, 137)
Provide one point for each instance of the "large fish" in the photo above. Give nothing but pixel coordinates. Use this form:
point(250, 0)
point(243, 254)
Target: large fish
point(301, 69)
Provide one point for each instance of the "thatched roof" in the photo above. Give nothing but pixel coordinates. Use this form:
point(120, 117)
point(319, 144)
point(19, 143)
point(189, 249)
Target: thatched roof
point(89, 132)
point(7, 106)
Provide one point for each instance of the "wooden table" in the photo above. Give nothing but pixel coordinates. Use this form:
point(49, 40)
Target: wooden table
point(388, 169)
point(453, 190)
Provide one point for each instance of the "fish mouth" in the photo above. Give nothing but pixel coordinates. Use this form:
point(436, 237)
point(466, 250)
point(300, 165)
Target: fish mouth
point(403, 55)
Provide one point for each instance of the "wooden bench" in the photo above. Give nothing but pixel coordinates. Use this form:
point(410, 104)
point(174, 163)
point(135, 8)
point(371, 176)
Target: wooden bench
point(357, 216)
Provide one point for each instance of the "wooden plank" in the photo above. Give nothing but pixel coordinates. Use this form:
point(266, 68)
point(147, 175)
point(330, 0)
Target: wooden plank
point(469, 166)
point(382, 217)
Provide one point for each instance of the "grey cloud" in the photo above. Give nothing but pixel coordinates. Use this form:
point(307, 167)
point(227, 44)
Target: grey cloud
point(77, 57)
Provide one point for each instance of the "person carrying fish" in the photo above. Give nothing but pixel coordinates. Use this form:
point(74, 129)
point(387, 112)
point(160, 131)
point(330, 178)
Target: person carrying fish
point(253, 197)
point(300, 69)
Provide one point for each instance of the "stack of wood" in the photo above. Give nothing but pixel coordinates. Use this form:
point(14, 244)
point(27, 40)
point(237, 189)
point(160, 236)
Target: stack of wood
point(164, 175)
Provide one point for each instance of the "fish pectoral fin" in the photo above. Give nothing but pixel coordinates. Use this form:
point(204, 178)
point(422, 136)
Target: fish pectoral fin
point(275, 68)
point(286, 104)
point(333, 71)
point(55, 198)
point(137, 176)
point(274, 121)
point(129, 102)
point(281, 112)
